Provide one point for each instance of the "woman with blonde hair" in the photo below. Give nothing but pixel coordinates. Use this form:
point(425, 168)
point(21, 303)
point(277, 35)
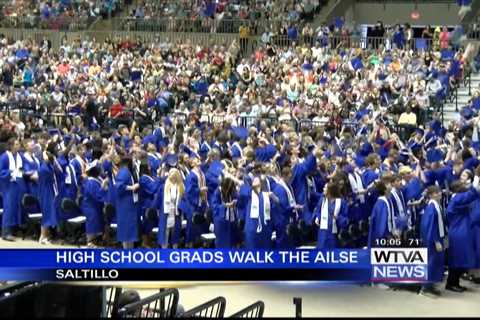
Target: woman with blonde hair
point(168, 200)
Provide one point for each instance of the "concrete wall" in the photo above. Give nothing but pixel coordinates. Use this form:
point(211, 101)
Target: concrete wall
point(435, 13)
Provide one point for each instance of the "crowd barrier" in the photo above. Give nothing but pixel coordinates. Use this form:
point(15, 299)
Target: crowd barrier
point(56, 38)
point(62, 23)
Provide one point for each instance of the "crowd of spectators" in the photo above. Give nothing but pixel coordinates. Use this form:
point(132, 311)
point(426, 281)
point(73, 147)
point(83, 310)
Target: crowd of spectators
point(57, 14)
point(277, 141)
point(221, 16)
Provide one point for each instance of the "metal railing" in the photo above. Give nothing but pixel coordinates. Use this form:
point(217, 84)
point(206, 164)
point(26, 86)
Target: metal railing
point(161, 305)
point(62, 23)
point(214, 308)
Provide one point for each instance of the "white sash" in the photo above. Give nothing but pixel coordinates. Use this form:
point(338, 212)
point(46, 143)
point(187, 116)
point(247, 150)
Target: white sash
point(255, 209)
point(134, 193)
point(400, 203)
point(357, 185)
point(324, 214)
point(237, 145)
point(441, 226)
point(171, 200)
point(291, 198)
point(201, 182)
point(390, 218)
point(15, 165)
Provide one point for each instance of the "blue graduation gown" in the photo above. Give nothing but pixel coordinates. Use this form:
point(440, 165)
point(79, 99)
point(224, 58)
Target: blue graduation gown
point(475, 215)
point(300, 185)
point(46, 194)
point(378, 223)
point(281, 214)
point(326, 238)
point(461, 253)
point(225, 230)
point(368, 177)
point(401, 223)
point(255, 239)
point(12, 194)
point(413, 192)
point(192, 205)
point(127, 210)
point(154, 161)
point(148, 189)
point(30, 166)
point(92, 205)
point(429, 234)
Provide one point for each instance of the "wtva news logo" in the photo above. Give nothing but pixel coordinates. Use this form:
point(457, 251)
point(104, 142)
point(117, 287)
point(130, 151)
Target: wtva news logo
point(399, 264)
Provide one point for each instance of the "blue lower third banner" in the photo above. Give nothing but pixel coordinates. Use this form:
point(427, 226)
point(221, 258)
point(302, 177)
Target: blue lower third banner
point(353, 265)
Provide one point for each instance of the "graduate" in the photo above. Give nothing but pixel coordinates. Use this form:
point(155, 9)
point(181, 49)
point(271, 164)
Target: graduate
point(31, 165)
point(369, 177)
point(258, 222)
point(170, 192)
point(195, 200)
point(413, 187)
point(299, 180)
point(225, 214)
point(401, 215)
point(48, 193)
point(127, 205)
point(434, 237)
point(461, 251)
point(331, 216)
point(149, 185)
point(94, 197)
point(475, 216)
point(13, 187)
point(381, 219)
point(286, 210)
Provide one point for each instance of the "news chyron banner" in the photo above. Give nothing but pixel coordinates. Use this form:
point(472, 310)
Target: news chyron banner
point(350, 265)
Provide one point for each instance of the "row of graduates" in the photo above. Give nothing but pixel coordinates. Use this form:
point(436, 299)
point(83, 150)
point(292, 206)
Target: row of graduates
point(248, 201)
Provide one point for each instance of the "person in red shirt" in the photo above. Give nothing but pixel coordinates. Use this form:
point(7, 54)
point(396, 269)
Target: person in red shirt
point(116, 110)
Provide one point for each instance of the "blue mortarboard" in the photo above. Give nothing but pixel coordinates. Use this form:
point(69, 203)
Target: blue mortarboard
point(193, 155)
point(167, 121)
point(149, 139)
point(359, 161)
point(171, 160)
point(162, 143)
point(467, 112)
point(419, 131)
point(235, 152)
point(357, 63)
point(67, 139)
point(240, 132)
point(434, 155)
point(366, 149)
point(204, 149)
point(361, 113)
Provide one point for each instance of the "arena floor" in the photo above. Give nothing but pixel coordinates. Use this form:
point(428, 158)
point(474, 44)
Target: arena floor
point(319, 299)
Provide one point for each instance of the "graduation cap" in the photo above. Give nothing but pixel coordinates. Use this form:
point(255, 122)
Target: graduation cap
point(204, 149)
point(240, 132)
point(434, 155)
point(366, 149)
point(467, 112)
point(67, 139)
point(420, 131)
point(167, 121)
point(149, 139)
point(361, 113)
point(171, 160)
point(356, 63)
point(359, 161)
